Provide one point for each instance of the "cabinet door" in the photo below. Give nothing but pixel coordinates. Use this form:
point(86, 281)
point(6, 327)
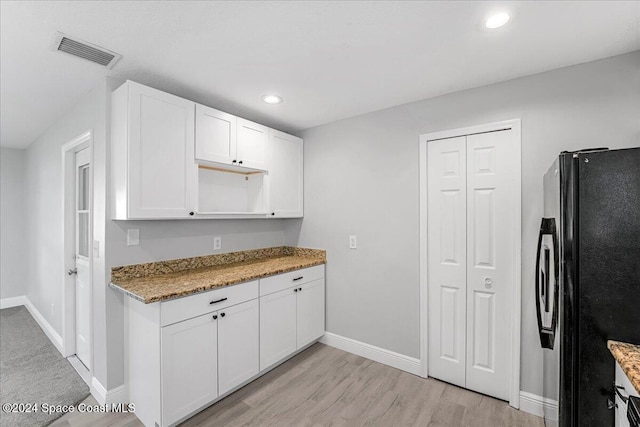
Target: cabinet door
point(162, 172)
point(237, 344)
point(310, 312)
point(285, 175)
point(189, 367)
point(277, 326)
point(252, 145)
point(215, 135)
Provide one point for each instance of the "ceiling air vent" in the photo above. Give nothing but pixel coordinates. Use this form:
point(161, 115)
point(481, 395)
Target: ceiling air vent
point(81, 49)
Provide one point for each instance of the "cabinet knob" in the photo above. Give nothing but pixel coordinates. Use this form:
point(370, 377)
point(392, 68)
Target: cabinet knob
point(221, 314)
point(192, 213)
point(215, 316)
point(295, 290)
point(273, 213)
point(300, 289)
point(234, 161)
point(240, 162)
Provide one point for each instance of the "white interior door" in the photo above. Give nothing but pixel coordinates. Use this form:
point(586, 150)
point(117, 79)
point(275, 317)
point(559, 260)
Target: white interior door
point(82, 235)
point(447, 259)
point(490, 249)
point(471, 246)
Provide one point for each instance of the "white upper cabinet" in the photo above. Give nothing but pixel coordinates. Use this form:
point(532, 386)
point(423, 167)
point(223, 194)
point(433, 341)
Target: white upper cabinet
point(153, 170)
point(230, 140)
point(252, 145)
point(285, 175)
point(172, 158)
point(215, 135)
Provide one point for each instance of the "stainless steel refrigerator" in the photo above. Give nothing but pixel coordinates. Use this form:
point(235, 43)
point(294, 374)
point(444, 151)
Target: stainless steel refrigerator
point(587, 279)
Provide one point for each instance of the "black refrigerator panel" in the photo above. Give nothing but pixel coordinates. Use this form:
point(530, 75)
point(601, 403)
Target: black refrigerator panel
point(568, 363)
point(607, 273)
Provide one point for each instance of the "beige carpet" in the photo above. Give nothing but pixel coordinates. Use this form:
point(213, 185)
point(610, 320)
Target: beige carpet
point(32, 371)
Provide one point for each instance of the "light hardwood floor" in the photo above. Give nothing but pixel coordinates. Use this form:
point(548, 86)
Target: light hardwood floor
point(324, 386)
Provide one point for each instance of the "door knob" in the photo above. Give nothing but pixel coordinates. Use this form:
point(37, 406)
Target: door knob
point(73, 271)
point(488, 282)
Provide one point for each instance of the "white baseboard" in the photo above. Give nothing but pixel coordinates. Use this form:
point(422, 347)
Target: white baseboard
point(46, 327)
point(381, 355)
point(108, 397)
point(12, 302)
point(536, 405)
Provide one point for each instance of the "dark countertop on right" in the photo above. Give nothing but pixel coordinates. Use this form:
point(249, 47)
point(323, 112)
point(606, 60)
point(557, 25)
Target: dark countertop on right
point(628, 357)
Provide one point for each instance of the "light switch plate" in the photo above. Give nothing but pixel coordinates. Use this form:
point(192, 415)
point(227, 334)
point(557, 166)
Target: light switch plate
point(217, 243)
point(133, 236)
point(353, 242)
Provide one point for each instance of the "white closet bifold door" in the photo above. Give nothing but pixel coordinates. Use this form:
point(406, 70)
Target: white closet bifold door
point(471, 250)
point(490, 249)
point(447, 259)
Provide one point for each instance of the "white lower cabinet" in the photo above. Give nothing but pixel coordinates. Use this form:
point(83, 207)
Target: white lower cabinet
point(238, 343)
point(207, 356)
point(310, 312)
point(187, 353)
point(189, 366)
point(293, 317)
point(277, 326)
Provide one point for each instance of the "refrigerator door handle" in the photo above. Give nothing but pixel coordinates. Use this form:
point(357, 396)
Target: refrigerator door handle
point(547, 334)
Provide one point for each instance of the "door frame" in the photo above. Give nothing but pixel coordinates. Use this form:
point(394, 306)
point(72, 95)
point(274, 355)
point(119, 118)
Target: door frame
point(68, 151)
point(516, 302)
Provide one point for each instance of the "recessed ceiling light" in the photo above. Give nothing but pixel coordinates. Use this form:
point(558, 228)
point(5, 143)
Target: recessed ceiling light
point(497, 20)
point(272, 99)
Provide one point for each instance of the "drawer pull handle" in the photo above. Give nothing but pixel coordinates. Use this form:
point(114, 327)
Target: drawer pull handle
point(218, 300)
point(298, 278)
point(222, 314)
point(215, 316)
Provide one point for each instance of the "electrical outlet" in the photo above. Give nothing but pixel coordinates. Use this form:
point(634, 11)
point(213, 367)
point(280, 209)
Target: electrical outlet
point(353, 242)
point(217, 243)
point(133, 237)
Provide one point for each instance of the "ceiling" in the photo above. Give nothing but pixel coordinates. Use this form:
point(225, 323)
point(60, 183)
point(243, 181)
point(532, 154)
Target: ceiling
point(329, 60)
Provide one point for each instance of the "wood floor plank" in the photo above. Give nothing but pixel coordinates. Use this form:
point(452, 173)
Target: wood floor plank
point(324, 386)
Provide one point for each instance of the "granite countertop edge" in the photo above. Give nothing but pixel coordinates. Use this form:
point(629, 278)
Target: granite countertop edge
point(628, 357)
point(210, 278)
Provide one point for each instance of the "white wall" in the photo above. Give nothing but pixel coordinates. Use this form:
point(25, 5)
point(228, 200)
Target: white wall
point(361, 177)
point(43, 214)
point(12, 225)
point(43, 209)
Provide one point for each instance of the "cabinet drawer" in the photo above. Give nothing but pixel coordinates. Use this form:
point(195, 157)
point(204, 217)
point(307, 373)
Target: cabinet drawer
point(198, 304)
point(290, 279)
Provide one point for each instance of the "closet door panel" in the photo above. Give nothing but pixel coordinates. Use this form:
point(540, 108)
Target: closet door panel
point(447, 259)
point(490, 248)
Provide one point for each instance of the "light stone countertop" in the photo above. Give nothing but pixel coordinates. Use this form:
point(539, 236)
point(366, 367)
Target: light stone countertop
point(160, 281)
point(628, 357)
